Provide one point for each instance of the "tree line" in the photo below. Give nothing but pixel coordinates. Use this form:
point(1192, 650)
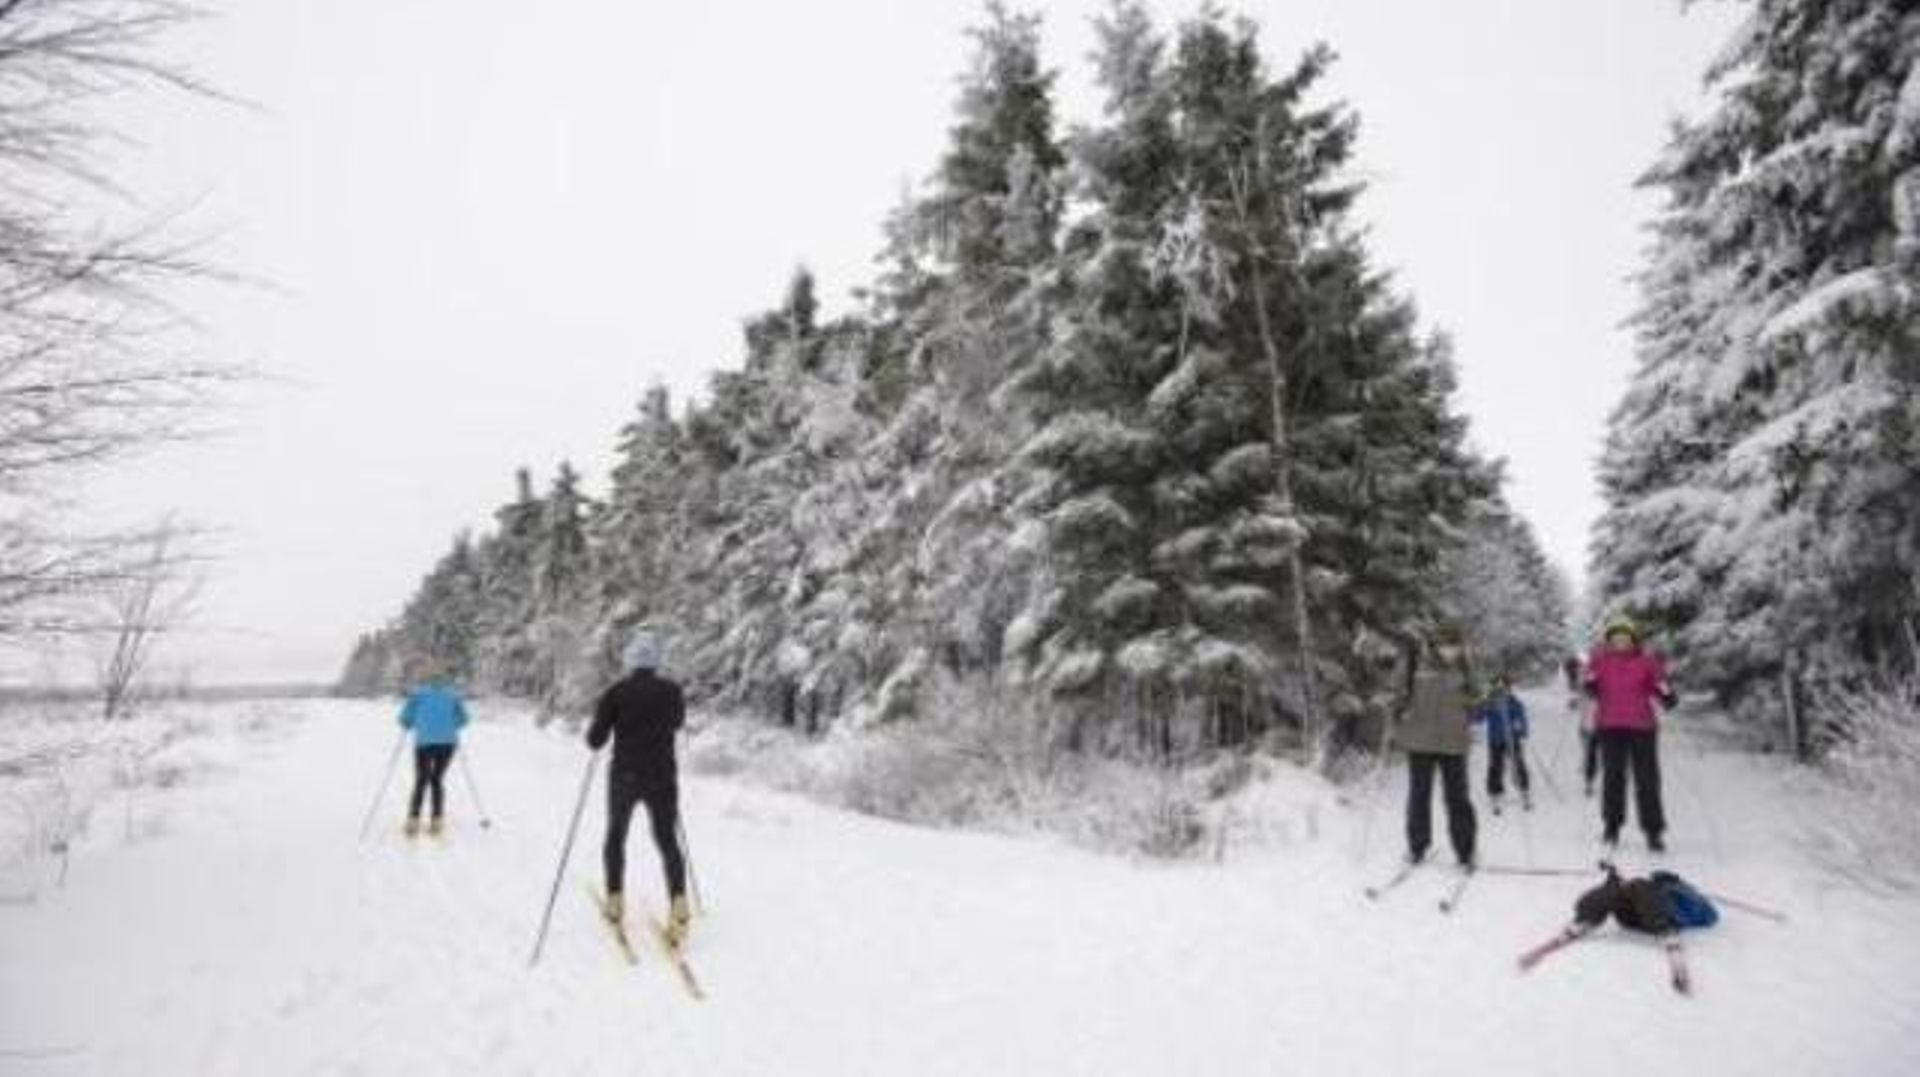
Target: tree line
point(1128, 419)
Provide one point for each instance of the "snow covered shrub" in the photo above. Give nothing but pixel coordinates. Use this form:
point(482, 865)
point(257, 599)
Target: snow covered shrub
point(1871, 830)
point(916, 776)
point(1125, 808)
point(977, 754)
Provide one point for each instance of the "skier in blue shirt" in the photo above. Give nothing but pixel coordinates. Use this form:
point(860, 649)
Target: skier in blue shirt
point(1506, 719)
point(435, 713)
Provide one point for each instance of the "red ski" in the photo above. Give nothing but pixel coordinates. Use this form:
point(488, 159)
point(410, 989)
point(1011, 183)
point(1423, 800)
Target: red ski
point(1568, 935)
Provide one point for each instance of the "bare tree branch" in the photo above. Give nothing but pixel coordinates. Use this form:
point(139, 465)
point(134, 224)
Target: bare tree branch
point(88, 369)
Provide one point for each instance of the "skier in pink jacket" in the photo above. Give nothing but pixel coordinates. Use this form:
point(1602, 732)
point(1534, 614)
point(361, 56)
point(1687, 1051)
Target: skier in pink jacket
point(1625, 680)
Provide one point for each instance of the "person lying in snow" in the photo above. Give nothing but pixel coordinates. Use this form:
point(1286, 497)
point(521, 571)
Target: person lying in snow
point(1662, 905)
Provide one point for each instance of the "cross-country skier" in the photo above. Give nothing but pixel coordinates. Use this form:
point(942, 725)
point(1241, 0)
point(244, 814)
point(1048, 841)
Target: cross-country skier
point(1434, 730)
point(1624, 680)
point(1575, 672)
point(1506, 719)
point(435, 712)
point(642, 713)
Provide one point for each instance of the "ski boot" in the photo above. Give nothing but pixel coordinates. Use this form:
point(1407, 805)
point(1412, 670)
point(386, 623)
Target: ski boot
point(1656, 844)
point(679, 921)
point(1526, 800)
point(612, 909)
point(413, 826)
point(437, 827)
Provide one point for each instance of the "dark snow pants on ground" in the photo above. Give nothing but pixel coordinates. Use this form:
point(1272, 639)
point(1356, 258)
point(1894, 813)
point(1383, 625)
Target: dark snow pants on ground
point(663, 813)
point(1499, 753)
point(429, 767)
point(1639, 749)
point(1453, 783)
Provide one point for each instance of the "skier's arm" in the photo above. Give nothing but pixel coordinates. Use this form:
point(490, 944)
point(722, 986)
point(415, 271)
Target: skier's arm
point(1404, 704)
point(602, 726)
point(459, 713)
point(679, 716)
point(406, 713)
point(1662, 687)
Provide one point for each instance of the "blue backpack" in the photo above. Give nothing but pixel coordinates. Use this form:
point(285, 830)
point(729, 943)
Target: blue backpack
point(1688, 906)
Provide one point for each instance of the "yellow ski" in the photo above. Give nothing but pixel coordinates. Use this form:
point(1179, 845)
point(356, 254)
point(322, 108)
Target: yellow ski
point(674, 957)
point(615, 927)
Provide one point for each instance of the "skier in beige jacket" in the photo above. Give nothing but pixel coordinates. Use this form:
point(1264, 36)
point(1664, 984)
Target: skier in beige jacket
point(1433, 729)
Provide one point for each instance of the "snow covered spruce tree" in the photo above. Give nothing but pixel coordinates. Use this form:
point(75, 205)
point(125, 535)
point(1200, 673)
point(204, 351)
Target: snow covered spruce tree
point(769, 435)
point(1244, 445)
point(504, 658)
point(1498, 580)
point(441, 627)
point(633, 537)
point(373, 667)
point(915, 576)
point(1760, 473)
point(563, 673)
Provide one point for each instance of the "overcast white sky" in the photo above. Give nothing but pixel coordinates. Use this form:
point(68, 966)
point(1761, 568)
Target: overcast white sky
point(491, 225)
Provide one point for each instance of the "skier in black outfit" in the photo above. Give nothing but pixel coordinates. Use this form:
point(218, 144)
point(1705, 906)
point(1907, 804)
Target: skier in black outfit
point(641, 714)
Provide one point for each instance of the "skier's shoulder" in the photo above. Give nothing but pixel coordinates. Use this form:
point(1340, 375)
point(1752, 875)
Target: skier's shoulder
point(644, 688)
point(428, 694)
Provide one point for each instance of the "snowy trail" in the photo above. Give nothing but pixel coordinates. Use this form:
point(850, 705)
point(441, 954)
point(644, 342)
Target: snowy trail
point(250, 934)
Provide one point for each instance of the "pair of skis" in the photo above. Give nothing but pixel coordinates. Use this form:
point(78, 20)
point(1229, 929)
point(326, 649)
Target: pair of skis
point(1456, 890)
point(1677, 973)
point(624, 943)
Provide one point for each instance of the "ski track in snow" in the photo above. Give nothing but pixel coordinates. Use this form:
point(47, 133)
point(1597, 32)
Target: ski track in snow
point(246, 932)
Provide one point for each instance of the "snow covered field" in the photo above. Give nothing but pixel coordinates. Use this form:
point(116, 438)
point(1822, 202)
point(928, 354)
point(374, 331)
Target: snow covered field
point(228, 923)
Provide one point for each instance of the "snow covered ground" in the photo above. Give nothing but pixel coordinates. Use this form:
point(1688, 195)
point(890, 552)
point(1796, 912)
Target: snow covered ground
point(228, 923)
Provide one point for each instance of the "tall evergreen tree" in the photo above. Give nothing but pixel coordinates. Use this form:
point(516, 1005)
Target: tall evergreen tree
point(1759, 473)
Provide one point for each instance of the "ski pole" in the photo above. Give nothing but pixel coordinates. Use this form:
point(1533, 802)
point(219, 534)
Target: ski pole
point(467, 772)
point(1543, 770)
point(1744, 906)
point(393, 761)
point(686, 853)
point(566, 851)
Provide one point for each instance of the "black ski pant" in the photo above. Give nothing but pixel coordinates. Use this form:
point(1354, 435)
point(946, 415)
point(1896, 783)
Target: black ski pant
point(1640, 750)
point(663, 813)
point(1453, 782)
point(1499, 754)
point(430, 763)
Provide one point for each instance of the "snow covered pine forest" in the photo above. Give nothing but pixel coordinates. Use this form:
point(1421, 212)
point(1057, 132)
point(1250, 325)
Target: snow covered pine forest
point(1046, 619)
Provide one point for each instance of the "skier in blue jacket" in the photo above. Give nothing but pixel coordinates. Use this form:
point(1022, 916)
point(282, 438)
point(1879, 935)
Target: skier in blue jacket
point(1506, 719)
point(435, 712)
